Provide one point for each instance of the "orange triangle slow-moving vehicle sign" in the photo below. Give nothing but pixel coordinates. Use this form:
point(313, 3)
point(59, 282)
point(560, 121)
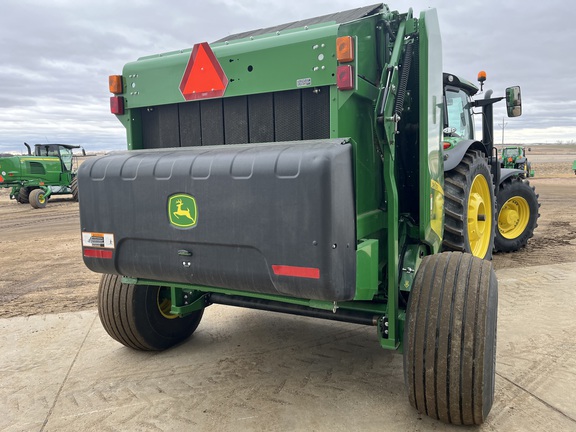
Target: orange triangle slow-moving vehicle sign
point(203, 77)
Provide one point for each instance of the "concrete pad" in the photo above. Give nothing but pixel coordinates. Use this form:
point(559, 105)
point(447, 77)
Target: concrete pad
point(251, 370)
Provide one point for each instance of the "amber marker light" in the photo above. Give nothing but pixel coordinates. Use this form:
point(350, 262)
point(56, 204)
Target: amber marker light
point(481, 79)
point(115, 84)
point(345, 49)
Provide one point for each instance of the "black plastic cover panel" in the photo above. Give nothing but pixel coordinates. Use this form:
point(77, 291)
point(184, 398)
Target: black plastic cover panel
point(274, 218)
point(337, 18)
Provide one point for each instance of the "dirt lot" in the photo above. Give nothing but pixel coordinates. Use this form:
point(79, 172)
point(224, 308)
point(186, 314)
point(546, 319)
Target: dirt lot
point(41, 268)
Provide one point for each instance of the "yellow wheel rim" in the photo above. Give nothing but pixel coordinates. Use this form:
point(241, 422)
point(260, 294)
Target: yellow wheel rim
point(479, 217)
point(165, 303)
point(513, 217)
point(41, 199)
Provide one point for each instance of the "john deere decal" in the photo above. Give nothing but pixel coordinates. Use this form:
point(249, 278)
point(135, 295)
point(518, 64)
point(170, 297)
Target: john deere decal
point(182, 211)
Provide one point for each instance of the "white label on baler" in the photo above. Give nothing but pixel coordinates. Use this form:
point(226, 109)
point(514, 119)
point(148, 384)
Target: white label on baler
point(304, 82)
point(98, 240)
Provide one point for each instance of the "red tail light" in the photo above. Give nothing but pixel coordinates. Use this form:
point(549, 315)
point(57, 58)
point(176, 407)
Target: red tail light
point(345, 77)
point(117, 105)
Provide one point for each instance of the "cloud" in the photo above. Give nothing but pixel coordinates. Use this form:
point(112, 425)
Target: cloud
point(56, 56)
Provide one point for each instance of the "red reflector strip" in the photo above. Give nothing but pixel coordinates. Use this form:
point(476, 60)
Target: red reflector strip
point(98, 253)
point(1, 179)
point(303, 272)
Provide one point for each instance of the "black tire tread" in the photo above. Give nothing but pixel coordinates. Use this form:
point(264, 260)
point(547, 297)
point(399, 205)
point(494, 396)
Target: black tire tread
point(23, 195)
point(125, 318)
point(74, 188)
point(457, 183)
point(448, 334)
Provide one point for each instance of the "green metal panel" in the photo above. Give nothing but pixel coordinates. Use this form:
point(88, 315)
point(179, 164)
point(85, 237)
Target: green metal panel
point(355, 119)
point(367, 270)
point(431, 124)
point(304, 58)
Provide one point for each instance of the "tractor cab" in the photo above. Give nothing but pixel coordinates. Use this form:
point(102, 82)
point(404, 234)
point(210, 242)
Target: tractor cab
point(458, 121)
point(62, 151)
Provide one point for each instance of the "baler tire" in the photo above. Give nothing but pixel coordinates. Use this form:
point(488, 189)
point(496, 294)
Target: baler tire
point(38, 199)
point(517, 215)
point(74, 189)
point(131, 315)
point(450, 338)
point(469, 196)
point(23, 195)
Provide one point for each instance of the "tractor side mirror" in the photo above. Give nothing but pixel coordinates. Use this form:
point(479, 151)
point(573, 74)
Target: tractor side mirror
point(514, 101)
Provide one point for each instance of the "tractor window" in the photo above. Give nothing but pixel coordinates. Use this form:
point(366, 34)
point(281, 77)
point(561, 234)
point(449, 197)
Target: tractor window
point(66, 157)
point(458, 110)
point(511, 152)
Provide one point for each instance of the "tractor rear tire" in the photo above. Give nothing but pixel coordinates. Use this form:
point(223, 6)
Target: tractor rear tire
point(38, 198)
point(138, 316)
point(23, 195)
point(470, 207)
point(74, 189)
point(450, 338)
point(518, 213)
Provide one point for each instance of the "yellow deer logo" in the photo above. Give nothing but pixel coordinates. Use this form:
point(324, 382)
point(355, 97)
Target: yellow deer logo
point(182, 211)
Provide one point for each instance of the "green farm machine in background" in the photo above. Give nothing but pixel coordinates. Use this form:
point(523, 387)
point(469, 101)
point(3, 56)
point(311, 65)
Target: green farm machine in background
point(34, 178)
point(313, 168)
point(515, 157)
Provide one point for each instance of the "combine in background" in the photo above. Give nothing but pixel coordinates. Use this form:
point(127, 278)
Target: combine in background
point(34, 178)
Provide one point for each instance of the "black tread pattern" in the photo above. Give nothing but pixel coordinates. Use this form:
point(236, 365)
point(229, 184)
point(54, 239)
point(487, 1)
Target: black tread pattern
point(74, 188)
point(129, 317)
point(450, 338)
point(23, 195)
point(457, 183)
point(517, 186)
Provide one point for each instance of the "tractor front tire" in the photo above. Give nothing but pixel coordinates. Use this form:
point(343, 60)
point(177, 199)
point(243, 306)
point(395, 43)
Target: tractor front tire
point(469, 206)
point(138, 316)
point(450, 338)
point(518, 213)
point(74, 189)
point(38, 198)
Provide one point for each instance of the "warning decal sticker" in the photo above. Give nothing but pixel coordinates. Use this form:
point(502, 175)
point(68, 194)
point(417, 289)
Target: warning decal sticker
point(98, 240)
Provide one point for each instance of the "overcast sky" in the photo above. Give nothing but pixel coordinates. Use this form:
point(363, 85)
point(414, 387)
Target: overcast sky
point(55, 57)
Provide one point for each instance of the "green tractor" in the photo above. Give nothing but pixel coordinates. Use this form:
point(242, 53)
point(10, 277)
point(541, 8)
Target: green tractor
point(34, 178)
point(514, 157)
point(304, 169)
point(468, 221)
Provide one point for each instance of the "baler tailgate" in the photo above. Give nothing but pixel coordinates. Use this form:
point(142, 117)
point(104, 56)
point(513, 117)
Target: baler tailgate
point(274, 218)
